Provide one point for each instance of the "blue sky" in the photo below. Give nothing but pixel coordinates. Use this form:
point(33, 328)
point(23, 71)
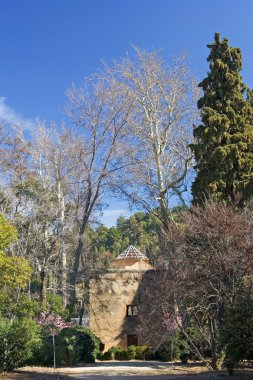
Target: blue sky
point(45, 45)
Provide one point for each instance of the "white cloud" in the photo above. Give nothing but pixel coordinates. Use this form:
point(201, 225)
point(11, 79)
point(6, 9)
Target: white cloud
point(10, 116)
point(111, 215)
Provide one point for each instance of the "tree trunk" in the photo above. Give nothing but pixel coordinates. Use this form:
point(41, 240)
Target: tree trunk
point(63, 276)
point(81, 314)
point(43, 289)
point(54, 351)
point(74, 272)
point(164, 214)
point(91, 200)
point(63, 258)
point(214, 345)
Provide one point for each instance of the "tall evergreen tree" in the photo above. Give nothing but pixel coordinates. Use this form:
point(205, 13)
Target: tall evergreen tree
point(223, 146)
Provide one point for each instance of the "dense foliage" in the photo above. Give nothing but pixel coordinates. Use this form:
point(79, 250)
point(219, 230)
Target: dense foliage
point(74, 345)
point(19, 340)
point(237, 333)
point(223, 142)
point(131, 353)
point(14, 271)
point(8, 233)
point(141, 230)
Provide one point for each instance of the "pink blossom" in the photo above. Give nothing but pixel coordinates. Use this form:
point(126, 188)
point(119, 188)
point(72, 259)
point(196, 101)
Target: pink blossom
point(171, 322)
point(52, 322)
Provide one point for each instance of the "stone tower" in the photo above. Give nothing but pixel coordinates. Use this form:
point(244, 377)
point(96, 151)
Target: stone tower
point(117, 302)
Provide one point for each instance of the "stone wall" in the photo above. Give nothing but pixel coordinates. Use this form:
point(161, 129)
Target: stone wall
point(110, 295)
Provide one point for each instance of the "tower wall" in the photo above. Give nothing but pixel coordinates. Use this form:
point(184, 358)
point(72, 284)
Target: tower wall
point(110, 297)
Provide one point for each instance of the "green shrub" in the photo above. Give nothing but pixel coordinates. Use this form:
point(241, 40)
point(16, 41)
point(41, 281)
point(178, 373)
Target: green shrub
point(100, 356)
point(131, 352)
point(170, 349)
point(196, 336)
point(73, 345)
point(163, 353)
point(108, 355)
point(76, 345)
point(120, 354)
point(237, 333)
point(142, 352)
point(55, 305)
point(19, 340)
point(45, 355)
point(184, 357)
point(177, 347)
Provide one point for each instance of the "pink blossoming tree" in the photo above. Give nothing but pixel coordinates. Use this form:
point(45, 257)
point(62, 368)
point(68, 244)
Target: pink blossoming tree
point(53, 324)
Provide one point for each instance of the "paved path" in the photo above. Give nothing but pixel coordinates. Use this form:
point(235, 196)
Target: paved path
point(125, 371)
point(114, 370)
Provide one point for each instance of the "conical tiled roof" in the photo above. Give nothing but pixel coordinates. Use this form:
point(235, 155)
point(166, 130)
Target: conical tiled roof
point(132, 253)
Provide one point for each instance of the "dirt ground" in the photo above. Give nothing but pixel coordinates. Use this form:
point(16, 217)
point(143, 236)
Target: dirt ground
point(125, 370)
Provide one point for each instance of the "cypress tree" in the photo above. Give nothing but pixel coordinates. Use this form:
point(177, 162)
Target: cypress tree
point(223, 146)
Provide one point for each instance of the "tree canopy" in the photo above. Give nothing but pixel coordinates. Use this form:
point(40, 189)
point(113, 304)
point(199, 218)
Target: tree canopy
point(141, 230)
point(8, 233)
point(223, 146)
point(14, 271)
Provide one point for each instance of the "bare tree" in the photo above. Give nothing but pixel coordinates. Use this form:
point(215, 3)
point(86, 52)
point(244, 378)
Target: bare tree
point(37, 177)
point(99, 115)
point(159, 130)
point(14, 160)
point(20, 188)
point(56, 166)
point(209, 256)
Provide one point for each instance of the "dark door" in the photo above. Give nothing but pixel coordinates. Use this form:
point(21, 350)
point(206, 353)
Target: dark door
point(132, 340)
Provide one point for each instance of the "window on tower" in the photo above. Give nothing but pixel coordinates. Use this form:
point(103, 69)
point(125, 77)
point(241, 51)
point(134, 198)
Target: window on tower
point(132, 311)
